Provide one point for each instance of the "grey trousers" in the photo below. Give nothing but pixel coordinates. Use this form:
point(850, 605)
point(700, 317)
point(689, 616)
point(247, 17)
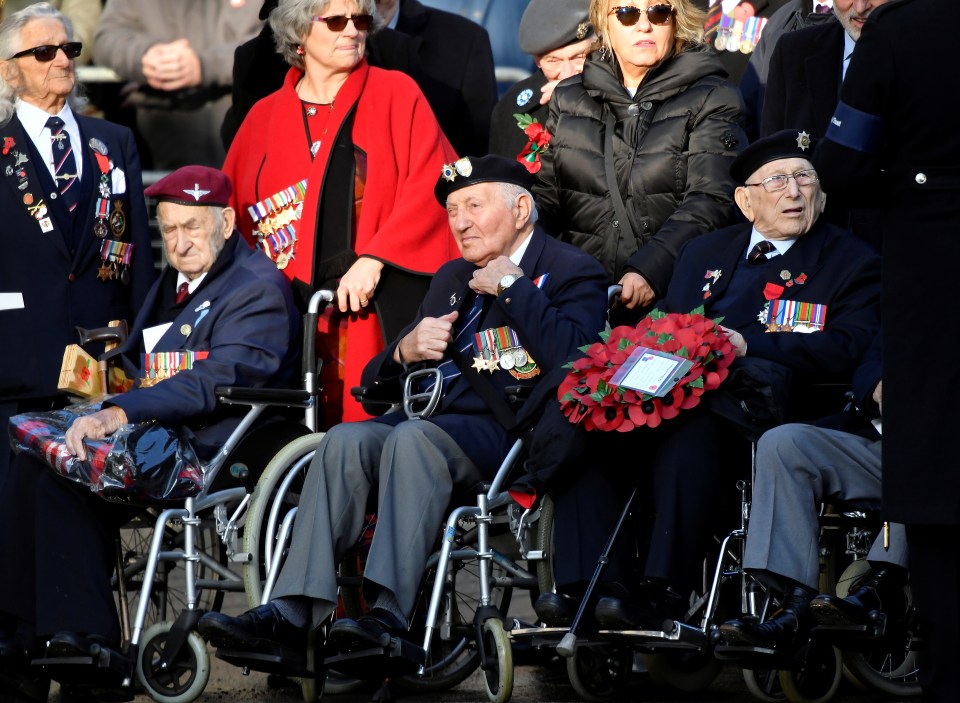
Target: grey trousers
point(417, 467)
point(798, 467)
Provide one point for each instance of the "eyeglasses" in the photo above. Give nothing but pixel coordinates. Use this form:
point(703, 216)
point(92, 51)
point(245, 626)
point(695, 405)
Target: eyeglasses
point(48, 52)
point(771, 184)
point(656, 14)
point(337, 23)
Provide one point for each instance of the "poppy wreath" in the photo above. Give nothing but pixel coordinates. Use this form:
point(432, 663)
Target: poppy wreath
point(586, 394)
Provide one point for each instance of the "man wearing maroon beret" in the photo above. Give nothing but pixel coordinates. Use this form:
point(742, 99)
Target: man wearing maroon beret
point(228, 310)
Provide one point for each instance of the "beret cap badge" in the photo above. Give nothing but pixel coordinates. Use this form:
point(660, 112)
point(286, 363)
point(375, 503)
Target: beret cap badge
point(803, 140)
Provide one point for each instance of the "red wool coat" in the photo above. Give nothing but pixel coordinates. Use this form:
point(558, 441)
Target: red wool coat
point(400, 222)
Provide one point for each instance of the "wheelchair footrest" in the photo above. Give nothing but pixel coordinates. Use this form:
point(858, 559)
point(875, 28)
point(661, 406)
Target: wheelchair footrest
point(756, 657)
point(850, 636)
point(283, 661)
point(104, 668)
point(399, 658)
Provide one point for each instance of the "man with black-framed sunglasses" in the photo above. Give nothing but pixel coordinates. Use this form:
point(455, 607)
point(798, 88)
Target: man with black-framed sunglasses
point(75, 238)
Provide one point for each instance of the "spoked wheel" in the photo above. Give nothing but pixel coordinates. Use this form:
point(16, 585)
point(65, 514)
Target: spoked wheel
point(764, 685)
point(498, 674)
point(599, 672)
point(683, 671)
point(277, 491)
point(817, 680)
point(892, 664)
point(186, 677)
point(453, 652)
point(168, 594)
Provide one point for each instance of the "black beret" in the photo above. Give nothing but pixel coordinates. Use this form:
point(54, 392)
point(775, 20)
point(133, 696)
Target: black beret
point(471, 170)
point(549, 24)
point(785, 144)
point(193, 185)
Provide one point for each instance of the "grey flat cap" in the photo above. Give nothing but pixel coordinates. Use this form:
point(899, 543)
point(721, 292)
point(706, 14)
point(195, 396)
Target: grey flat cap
point(549, 24)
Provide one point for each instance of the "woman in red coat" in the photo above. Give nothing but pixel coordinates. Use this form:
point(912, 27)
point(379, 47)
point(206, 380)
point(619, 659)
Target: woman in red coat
point(334, 178)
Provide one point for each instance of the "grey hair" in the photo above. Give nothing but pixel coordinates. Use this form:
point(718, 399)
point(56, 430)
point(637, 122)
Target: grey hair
point(291, 21)
point(509, 192)
point(10, 30)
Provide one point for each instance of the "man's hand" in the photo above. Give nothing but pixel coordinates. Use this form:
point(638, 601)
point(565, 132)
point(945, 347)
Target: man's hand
point(357, 285)
point(636, 291)
point(97, 426)
point(172, 66)
point(428, 340)
point(737, 340)
point(878, 395)
point(546, 92)
point(486, 279)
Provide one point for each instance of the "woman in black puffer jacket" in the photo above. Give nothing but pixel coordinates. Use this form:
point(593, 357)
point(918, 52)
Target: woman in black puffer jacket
point(675, 131)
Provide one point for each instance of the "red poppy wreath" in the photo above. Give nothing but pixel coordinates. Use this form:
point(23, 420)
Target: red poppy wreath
point(588, 395)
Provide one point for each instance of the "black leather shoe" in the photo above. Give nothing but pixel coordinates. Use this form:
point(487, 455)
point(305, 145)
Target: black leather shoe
point(72, 644)
point(375, 629)
point(555, 609)
point(784, 631)
point(881, 590)
point(260, 629)
point(621, 614)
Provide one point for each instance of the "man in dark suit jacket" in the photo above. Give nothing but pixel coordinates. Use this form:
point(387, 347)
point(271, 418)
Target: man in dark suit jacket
point(888, 136)
point(517, 304)
point(62, 267)
point(232, 317)
point(457, 61)
point(795, 293)
point(803, 86)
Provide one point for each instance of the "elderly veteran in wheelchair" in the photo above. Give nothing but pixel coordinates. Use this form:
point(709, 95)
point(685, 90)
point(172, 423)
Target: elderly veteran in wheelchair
point(783, 257)
point(798, 466)
point(514, 307)
point(218, 301)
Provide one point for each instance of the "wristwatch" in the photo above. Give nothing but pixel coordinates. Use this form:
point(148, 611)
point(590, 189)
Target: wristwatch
point(506, 282)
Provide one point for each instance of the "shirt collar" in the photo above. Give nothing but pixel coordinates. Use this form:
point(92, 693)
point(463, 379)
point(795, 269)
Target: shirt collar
point(34, 120)
point(191, 285)
point(517, 256)
point(781, 245)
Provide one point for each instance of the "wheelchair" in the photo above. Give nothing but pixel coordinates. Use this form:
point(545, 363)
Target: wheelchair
point(160, 649)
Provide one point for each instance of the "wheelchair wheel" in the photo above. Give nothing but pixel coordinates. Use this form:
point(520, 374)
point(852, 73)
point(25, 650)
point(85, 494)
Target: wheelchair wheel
point(545, 545)
point(272, 498)
point(498, 676)
point(453, 650)
point(892, 665)
point(684, 671)
point(764, 685)
point(168, 596)
point(599, 672)
point(817, 680)
point(184, 680)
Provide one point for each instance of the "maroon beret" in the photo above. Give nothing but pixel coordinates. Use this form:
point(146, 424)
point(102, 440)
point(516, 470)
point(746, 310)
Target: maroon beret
point(193, 185)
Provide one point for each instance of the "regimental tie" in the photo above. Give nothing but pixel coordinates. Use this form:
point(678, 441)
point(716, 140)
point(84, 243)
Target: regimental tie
point(182, 292)
point(64, 163)
point(463, 342)
point(759, 252)
point(822, 9)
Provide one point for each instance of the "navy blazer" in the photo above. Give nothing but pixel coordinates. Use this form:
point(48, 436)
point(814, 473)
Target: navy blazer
point(803, 85)
point(842, 273)
point(551, 323)
point(243, 314)
point(61, 288)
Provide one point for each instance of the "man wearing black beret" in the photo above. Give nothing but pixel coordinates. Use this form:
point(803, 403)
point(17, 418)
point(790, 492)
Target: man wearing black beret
point(558, 34)
point(515, 307)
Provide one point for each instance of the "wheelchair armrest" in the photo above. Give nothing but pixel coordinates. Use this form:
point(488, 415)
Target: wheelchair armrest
point(377, 393)
point(235, 395)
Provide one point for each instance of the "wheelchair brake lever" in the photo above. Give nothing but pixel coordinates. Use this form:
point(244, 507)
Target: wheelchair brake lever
point(520, 522)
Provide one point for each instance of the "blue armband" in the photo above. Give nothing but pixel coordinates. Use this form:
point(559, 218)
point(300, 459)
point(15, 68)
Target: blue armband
point(856, 129)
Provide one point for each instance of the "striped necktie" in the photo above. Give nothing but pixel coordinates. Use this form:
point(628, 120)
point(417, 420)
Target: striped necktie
point(65, 165)
point(759, 252)
point(463, 342)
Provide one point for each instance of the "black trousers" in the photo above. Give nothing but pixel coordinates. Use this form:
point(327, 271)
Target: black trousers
point(57, 541)
point(935, 584)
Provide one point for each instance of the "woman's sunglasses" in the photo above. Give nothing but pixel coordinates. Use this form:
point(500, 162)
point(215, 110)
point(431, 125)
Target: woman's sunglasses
point(48, 52)
point(656, 14)
point(337, 23)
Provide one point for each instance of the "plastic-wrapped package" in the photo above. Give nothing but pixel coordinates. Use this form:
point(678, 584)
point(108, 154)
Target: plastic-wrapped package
point(138, 462)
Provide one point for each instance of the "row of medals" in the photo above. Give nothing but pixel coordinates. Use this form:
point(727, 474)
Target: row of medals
point(730, 41)
point(509, 359)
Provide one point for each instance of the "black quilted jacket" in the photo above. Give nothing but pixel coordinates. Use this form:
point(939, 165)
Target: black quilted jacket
point(673, 145)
